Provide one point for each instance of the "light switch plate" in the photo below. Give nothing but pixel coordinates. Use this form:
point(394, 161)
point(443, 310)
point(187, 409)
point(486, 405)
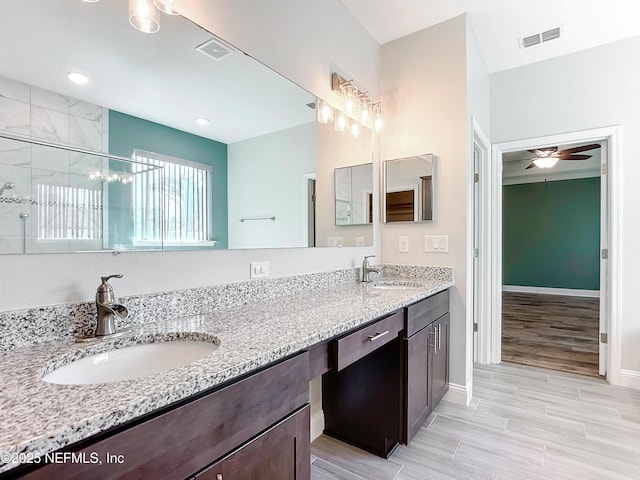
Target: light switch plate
point(436, 243)
point(403, 244)
point(259, 269)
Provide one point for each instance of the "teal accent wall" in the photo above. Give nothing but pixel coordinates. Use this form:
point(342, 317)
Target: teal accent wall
point(551, 234)
point(127, 133)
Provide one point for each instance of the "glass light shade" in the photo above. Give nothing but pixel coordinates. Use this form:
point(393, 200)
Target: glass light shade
point(355, 130)
point(350, 101)
point(378, 122)
point(545, 162)
point(365, 112)
point(341, 122)
point(324, 111)
point(144, 16)
point(170, 7)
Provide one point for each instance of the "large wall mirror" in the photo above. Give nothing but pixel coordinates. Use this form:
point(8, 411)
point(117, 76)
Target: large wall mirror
point(234, 145)
point(408, 189)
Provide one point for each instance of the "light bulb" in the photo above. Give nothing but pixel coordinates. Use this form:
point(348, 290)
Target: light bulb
point(378, 123)
point(365, 111)
point(170, 7)
point(78, 78)
point(342, 122)
point(143, 16)
point(546, 162)
point(350, 99)
point(325, 112)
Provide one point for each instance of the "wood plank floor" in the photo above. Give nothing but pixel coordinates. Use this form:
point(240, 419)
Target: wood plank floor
point(524, 423)
point(551, 331)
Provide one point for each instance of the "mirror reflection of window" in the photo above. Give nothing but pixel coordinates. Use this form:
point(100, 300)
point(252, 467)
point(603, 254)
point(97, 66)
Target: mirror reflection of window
point(409, 189)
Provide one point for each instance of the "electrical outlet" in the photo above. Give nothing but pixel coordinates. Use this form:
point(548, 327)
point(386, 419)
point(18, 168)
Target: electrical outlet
point(259, 269)
point(403, 244)
point(359, 241)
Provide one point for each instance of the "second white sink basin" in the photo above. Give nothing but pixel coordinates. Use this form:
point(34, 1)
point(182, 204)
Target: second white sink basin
point(131, 362)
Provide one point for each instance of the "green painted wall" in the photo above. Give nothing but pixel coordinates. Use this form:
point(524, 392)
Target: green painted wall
point(551, 234)
point(127, 133)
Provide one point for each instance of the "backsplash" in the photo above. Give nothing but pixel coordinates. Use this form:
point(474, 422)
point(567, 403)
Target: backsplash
point(28, 327)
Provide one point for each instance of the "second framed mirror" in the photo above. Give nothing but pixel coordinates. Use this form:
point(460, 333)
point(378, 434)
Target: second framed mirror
point(409, 189)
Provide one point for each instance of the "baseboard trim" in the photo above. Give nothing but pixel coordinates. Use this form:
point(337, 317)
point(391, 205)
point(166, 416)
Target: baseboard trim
point(629, 379)
point(570, 292)
point(317, 424)
point(458, 394)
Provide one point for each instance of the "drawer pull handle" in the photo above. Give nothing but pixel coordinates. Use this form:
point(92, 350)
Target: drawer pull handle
point(377, 335)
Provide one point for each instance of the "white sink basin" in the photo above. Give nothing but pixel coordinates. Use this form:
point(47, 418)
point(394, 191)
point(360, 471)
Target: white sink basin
point(130, 362)
point(395, 284)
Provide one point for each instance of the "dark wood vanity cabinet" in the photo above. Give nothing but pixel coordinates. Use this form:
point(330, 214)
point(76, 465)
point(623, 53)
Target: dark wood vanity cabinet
point(426, 360)
point(376, 395)
point(259, 423)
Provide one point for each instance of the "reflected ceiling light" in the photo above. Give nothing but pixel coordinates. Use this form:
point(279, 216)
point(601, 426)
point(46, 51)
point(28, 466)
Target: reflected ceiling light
point(91, 1)
point(202, 120)
point(144, 16)
point(545, 162)
point(355, 130)
point(325, 111)
point(170, 7)
point(78, 78)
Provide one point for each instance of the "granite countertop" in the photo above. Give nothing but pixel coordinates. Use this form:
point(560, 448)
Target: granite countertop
point(37, 417)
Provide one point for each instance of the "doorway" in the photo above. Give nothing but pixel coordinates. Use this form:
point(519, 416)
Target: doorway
point(491, 272)
point(551, 222)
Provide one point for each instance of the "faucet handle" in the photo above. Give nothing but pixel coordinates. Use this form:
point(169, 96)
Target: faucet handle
point(109, 277)
point(369, 256)
point(105, 289)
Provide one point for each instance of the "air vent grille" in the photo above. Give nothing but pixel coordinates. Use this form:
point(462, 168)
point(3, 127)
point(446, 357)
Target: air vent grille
point(538, 38)
point(551, 34)
point(215, 49)
point(531, 40)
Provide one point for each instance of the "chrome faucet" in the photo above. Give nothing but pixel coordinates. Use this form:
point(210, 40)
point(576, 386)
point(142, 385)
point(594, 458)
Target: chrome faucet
point(108, 310)
point(366, 269)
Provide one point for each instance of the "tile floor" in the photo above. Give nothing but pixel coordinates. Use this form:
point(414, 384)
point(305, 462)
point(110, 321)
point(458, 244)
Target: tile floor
point(524, 423)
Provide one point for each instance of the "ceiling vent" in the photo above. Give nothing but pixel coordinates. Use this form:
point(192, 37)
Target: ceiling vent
point(215, 48)
point(538, 38)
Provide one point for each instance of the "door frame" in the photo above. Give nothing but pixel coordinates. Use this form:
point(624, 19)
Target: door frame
point(491, 271)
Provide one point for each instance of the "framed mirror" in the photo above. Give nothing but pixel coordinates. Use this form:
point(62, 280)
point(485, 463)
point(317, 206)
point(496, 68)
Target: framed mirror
point(353, 192)
point(182, 95)
point(408, 189)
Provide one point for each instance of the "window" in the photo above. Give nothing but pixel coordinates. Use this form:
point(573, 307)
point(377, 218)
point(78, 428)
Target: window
point(69, 213)
point(184, 200)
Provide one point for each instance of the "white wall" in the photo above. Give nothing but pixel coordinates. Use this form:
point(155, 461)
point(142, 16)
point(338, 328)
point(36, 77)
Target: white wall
point(337, 150)
point(284, 34)
point(424, 93)
point(265, 177)
point(589, 89)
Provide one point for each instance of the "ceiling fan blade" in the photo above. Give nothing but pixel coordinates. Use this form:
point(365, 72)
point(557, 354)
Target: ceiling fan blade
point(531, 165)
point(543, 152)
point(573, 157)
point(583, 148)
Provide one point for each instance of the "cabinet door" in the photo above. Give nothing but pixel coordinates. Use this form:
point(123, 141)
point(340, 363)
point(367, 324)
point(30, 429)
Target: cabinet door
point(417, 393)
point(440, 359)
point(280, 453)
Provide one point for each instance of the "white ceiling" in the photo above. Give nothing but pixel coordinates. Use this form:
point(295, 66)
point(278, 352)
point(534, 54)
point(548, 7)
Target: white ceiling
point(158, 77)
point(498, 24)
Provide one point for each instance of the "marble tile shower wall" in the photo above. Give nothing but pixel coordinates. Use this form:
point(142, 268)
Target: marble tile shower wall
point(28, 327)
point(44, 115)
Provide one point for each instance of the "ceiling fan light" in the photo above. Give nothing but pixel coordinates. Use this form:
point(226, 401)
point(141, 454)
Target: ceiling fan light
point(545, 162)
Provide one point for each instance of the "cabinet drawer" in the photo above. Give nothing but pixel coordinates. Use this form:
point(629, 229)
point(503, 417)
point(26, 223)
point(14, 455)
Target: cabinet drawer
point(182, 441)
point(426, 311)
point(356, 345)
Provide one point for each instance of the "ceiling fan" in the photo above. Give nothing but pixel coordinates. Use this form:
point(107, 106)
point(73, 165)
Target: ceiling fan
point(547, 157)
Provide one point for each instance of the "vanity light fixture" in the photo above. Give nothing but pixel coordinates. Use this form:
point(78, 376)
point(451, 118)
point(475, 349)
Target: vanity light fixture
point(202, 121)
point(144, 16)
point(78, 78)
point(358, 110)
point(546, 162)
